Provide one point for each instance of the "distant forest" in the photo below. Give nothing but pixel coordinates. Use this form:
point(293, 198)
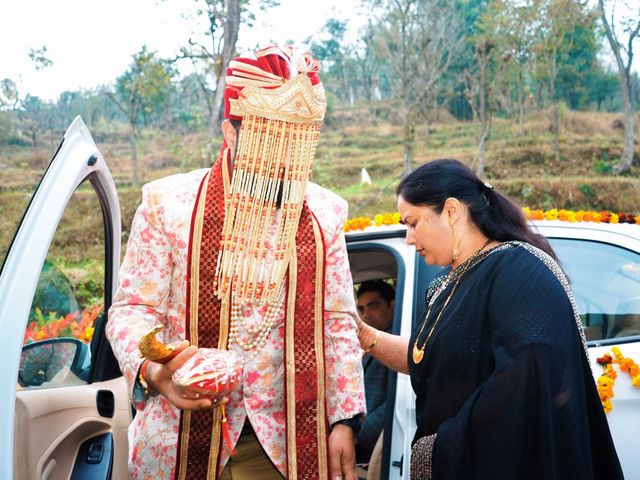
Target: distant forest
point(476, 59)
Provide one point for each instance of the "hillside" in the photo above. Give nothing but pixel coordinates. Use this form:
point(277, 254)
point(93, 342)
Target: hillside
point(521, 165)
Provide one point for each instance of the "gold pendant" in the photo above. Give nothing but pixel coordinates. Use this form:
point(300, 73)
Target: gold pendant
point(417, 354)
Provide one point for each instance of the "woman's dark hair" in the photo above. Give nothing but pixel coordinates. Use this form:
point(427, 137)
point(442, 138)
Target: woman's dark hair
point(497, 216)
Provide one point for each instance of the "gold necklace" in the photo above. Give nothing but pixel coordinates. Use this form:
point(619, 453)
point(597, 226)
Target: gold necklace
point(418, 352)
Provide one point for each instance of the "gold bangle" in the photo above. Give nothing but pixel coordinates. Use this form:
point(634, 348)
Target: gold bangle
point(142, 376)
point(375, 341)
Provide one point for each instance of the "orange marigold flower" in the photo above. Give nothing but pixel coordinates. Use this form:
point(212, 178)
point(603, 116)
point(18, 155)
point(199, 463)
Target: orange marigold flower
point(610, 372)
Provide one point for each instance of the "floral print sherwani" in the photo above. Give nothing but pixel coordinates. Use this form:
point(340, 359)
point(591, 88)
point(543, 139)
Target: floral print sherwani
point(153, 290)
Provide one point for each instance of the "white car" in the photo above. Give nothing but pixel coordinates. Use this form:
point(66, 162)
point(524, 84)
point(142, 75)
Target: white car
point(65, 410)
point(603, 265)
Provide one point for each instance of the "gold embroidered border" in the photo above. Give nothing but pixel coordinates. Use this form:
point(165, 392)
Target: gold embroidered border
point(193, 312)
point(195, 262)
point(319, 347)
point(184, 444)
point(292, 467)
point(216, 431)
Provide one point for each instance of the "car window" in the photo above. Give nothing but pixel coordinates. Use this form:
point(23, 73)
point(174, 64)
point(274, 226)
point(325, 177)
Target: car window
point(68, 298)
point(606, 283)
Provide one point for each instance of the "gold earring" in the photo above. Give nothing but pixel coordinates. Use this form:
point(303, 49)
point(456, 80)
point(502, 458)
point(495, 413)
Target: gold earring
point(455, 243)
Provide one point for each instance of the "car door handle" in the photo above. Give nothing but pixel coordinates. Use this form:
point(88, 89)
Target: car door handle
point(106, 403)
point(398, 464)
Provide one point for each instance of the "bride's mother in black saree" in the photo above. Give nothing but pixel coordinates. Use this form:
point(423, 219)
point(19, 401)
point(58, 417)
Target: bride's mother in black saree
point(498, 360)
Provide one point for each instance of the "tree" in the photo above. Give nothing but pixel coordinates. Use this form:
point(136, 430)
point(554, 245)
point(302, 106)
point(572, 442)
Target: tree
point(144, 88)
point(514, 36)
point(623, 53)
point(39, 58)
point(555, 25)
point(34, 119)
point(418, 39)
point(9, 97)
point(210, 56)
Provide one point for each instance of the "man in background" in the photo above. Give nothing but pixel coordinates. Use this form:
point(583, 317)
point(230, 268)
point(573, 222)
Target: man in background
point(375, 301)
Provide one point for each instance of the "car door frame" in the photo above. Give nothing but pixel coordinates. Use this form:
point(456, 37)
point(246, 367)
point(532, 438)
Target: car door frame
point(76, 160)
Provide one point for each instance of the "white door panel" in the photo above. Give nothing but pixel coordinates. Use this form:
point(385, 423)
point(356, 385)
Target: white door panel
point(50, 428)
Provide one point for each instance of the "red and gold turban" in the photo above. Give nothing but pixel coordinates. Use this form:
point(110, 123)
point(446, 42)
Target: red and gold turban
point(280, 101)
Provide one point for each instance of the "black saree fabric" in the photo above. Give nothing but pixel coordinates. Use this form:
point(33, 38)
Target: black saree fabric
point(505, 381)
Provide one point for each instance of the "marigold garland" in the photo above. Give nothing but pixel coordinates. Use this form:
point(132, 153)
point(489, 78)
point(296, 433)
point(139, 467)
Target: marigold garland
point(360, 223)
point(606, 381)
point(603, 216)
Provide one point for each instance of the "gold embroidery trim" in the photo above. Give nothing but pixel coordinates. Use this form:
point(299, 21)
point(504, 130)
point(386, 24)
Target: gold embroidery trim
point(186, 421)
point(216, 431)
point(297, 101)
point(292, 468)
point(195, 262)
point(319, 347)
point(193, 313)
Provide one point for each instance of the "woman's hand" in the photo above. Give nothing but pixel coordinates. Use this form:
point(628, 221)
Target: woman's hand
point(159, 378)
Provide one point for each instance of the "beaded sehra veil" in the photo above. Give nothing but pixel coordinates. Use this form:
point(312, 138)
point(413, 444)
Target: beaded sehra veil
point(281, 115)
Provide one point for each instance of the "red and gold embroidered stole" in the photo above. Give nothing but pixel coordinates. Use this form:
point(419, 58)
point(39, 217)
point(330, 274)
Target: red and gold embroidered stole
point(207, 325)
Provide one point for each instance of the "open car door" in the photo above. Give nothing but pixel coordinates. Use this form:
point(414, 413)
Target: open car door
point(65, 407)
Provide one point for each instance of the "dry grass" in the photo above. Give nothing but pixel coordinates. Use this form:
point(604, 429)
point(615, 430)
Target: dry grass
point(523, 165)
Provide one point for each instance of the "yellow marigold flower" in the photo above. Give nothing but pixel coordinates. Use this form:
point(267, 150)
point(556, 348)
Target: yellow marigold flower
point(607, 406)
point(378, 219)
point(614, 218)
point(396, 218)
point(636, 381)
point(527, 212)
point(88, 333)
point(616, 351)
point(551, 214)
point(579, 215)
point(605, 382)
